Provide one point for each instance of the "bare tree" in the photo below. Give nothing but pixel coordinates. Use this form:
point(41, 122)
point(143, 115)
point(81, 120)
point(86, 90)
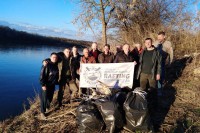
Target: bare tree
point(137, 19)
point(130, 21)
point(95, 15)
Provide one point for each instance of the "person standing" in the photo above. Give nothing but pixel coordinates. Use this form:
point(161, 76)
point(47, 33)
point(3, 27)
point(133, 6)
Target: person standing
point(166, 51)
point(150, 66)
point(65, 76)
point(118, 49)
point(95, 52)
point(136, 52)
point(86, 58)
point(75, 63)
point(48, 79)
point(106, 56)
point(125, 55)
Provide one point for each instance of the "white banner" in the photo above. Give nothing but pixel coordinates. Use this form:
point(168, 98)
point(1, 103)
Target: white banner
point(114, 75)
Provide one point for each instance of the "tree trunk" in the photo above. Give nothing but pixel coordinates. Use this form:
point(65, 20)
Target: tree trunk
point(104, 24)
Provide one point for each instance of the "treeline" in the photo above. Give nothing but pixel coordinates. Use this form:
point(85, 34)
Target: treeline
point(12, 36)
point(131, 21)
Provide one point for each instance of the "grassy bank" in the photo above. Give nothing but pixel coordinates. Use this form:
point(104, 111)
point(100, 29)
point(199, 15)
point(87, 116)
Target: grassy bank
point(179, 108)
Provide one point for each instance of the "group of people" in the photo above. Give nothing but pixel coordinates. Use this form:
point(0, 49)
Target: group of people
point(63, 68)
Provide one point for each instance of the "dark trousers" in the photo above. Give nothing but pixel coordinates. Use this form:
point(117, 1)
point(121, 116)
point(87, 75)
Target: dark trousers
point(146, 79)
point(136, 82)
point(46, 97)
point(63, 87)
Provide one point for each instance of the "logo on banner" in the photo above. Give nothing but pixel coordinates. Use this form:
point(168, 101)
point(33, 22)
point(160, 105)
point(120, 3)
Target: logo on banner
point(92, 74)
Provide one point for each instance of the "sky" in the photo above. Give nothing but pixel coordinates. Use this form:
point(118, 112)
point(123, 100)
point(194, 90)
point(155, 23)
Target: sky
point(48, 13)
point(45, 17)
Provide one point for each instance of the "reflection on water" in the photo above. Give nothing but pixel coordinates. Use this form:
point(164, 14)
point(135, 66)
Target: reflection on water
point(19, 75)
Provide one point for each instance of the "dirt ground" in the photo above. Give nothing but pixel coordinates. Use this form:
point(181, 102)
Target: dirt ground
point(177, 110)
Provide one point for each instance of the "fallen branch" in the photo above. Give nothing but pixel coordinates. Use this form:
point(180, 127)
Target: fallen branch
point(167, 124)
point(47, 125)
point(62, 127)
point(68, 112)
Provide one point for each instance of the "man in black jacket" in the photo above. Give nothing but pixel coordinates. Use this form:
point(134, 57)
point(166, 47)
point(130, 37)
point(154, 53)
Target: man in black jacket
point(48, 79)
point(150, 65)
point(106, 56)
point(65, 76)
point(75, 63)
point(125, 55)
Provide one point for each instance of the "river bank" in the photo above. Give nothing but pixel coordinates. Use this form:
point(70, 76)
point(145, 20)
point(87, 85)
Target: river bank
point(179, 108)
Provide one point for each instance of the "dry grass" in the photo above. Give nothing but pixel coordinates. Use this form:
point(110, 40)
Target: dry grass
point(184, 115)
point(62, 120)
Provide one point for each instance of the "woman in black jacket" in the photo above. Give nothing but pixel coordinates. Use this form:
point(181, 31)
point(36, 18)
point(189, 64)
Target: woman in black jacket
point(48, 79)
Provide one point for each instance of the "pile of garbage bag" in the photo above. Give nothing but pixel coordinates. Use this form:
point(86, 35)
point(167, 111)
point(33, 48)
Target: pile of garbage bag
point(89, 119)
point(136, 111)
point(111, 113)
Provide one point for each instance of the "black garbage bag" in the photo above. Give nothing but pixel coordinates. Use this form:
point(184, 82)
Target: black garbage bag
point(111, 113)
point(136, 111)
point(119, 98)
point(89, 119)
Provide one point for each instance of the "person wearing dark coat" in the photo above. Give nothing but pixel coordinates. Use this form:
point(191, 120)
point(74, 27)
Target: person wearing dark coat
point(150, 66)
point(65, 76)
point(136, 52)
point(118, 50)
point(125, 55)
point(95, 52)
point(75, 63)
point(48, 79)
point(106, 56)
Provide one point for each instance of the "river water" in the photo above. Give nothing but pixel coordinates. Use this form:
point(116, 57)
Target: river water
point(19, 75)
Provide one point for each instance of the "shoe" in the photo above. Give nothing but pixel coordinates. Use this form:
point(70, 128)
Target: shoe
point(42, 116)
point(47, 109)
point(58, 106)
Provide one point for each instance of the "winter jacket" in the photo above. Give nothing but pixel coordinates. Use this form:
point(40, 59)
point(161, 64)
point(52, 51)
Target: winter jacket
point(90, 59)
point(49, 74)
point(75, 65)
point(103, 58)
point(156, 59)
point(136, 54)
point(64, 67)
point(122, 57)
point(166, 51)
point(95, 54)
point(65, 73)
